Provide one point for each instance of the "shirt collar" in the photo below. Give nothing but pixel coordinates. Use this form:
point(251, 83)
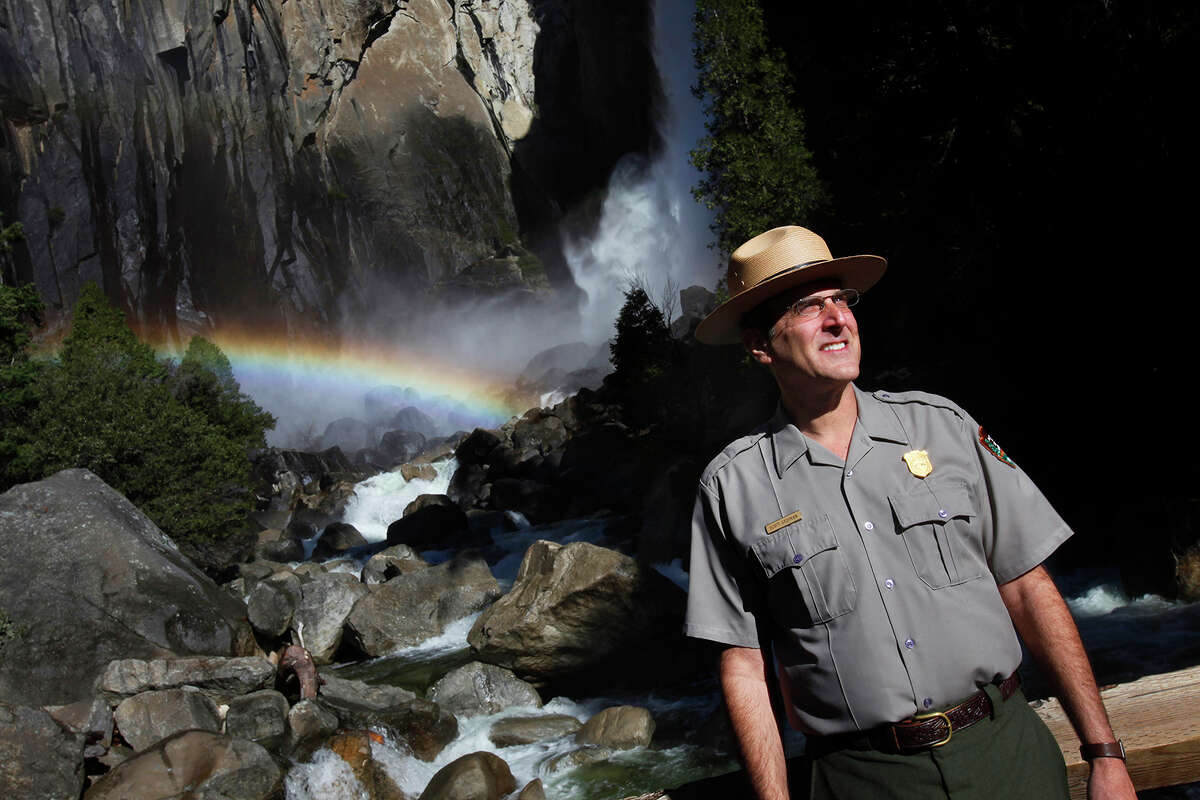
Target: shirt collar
point(874, 417)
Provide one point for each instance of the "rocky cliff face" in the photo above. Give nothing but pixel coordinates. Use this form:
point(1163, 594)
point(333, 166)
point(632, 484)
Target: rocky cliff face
point(282, 164)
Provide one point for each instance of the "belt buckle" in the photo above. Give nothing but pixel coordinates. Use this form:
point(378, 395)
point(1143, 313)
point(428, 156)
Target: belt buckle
point(931, 715)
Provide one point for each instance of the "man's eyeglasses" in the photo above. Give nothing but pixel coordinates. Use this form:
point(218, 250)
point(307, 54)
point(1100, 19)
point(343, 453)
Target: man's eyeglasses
point(811, 307)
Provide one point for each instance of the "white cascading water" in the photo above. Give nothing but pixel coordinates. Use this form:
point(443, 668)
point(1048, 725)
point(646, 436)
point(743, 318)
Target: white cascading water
point(651, 230)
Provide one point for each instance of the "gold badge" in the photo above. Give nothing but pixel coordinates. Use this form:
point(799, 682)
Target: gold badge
point(918, 463)
point(795, 516)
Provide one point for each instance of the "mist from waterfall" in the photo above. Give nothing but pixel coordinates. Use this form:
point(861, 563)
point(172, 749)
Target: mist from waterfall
point(651, 230)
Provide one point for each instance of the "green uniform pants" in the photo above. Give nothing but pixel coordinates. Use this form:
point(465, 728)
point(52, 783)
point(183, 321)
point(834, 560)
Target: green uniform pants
point(1013, 755)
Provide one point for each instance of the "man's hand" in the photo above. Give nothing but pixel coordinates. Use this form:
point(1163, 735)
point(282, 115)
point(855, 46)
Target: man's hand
point(744, 683)
point(1109, 779)
point(1044, 622)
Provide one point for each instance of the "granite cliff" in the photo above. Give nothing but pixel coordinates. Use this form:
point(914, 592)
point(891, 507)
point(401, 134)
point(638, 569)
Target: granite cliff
point(281, 164)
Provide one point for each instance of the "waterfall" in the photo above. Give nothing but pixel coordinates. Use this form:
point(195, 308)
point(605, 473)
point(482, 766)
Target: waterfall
point(651, 230)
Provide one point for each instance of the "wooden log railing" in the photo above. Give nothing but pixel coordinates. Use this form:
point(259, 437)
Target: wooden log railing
point(1158, 718)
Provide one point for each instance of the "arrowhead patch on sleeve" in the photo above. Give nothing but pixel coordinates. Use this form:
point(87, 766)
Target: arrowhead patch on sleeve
point(990, 444)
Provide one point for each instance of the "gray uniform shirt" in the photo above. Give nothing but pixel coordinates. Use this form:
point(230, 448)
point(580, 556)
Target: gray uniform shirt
point(880, 599)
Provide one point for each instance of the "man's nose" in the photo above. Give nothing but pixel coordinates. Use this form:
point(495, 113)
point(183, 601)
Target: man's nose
point(833, 314)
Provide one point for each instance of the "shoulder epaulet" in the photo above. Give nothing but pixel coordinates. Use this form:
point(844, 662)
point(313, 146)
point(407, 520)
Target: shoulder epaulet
point(920, 398)
point(732, 451)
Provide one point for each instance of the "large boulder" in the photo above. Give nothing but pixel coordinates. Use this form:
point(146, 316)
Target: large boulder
point(194, 764)
point(423, 726)
point(618, 727)
point(90, 578)
point(308, 724)
point(527, 730)
point(260, 717)
point(354, 748)
point(153, 716)
point(39, 760)
point(220, 678)
point(583, 613)
point(397, 560)
point(417, 605)
point(326, 601)
point(336, 539)
point(476, 776)
point(474, 689)
point(431, 522)
point(400, 446)
point(272, 602)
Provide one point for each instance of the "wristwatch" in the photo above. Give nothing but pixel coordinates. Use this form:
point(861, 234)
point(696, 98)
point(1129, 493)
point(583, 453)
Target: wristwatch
point(1103, 750)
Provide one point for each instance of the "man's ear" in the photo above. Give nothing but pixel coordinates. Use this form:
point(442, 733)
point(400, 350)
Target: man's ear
point(757, 344)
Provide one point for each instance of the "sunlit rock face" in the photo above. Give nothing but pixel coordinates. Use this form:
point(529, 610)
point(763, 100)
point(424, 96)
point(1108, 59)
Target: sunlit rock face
point(288, 164)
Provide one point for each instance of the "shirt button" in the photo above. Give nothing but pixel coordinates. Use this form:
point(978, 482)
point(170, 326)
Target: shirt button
point(797, 558)
point(849, 473)
point(910, 644)
point(889, 583)
point(869, 525)
point(928, 701)
point(942, 513)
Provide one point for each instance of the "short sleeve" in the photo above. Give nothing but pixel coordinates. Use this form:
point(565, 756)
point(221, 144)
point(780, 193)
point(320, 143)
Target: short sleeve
point(1021, 527)
point(721, 594)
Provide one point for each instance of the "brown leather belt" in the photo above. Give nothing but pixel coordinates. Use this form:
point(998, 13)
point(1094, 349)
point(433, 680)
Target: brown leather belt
point(920, 732)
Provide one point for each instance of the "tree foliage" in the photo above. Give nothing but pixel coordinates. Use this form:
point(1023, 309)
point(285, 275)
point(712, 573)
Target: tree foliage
point(174, 442)
point(758, 172)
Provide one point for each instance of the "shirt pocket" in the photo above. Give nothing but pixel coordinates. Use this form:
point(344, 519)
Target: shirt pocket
point(808, 579)
point(939, 525)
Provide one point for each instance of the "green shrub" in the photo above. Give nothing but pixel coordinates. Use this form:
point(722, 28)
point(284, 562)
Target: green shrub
point(174, 442)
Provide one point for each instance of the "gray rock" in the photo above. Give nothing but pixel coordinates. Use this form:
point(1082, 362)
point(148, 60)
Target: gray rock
point(153, 716)
point(272, 603)
point(476, 447)
point(431, 522)
point(326, 602)
point(91, 718)
point(575, 609)
point(414, 419)
point(478, 776)
point(423, 726)
point(474, 689)
point(533, 791)
point(619, 727)
point(194, 764)
point(539, 430)
point(512, 731)
point(337, 538)
point(90, 578)
point(38, 758)
point(220, 678)
point(308, 724)
point(396, 560)
point(412, 607)
point(401, 445)
point(272, 545)
point(259, 717)
point(576, 758)
point(425, 472)
point(347, 433)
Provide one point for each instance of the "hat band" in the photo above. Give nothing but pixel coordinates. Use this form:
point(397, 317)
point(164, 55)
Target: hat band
point(783, 272)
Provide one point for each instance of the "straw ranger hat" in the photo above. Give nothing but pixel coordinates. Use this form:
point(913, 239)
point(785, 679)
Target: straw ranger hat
point(773, 262)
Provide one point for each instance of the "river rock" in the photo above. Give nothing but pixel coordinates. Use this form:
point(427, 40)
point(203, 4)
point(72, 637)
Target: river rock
point(476, 448)
point(415, 606)
point(152, 716)
point(539, 430)
point(512, 731)
point(347, 433)
point(39, 760)
point(326, 601)
point(539, 502)
point(423, 726)
point(272, 603)
point(619, 727)
point(273, 545)
point(194, 764)
point(1187, 573)
point(574, 609)
point(396, 560)
point(91, 718)
point(308, 725)
point(474, 689)
point(476, 776)
point(400, 446)
point(414, 419)
point(354, 747)
point(90, 578)
point(337, 538)
point(412, 472)
point(220, 678)
point(533, 791)
point(259, 717)
point(576, 758)
point(432, 522)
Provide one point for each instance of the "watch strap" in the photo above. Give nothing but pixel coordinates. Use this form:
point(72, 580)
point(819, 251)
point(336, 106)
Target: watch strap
point(1103, 750)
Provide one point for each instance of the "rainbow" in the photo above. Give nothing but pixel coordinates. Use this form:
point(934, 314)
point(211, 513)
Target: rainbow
point(348, 367)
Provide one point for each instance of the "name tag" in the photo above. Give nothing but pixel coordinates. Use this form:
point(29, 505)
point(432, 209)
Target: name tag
point(795, 516)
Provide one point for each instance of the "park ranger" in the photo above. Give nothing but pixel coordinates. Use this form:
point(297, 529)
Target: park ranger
point(884, 552)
